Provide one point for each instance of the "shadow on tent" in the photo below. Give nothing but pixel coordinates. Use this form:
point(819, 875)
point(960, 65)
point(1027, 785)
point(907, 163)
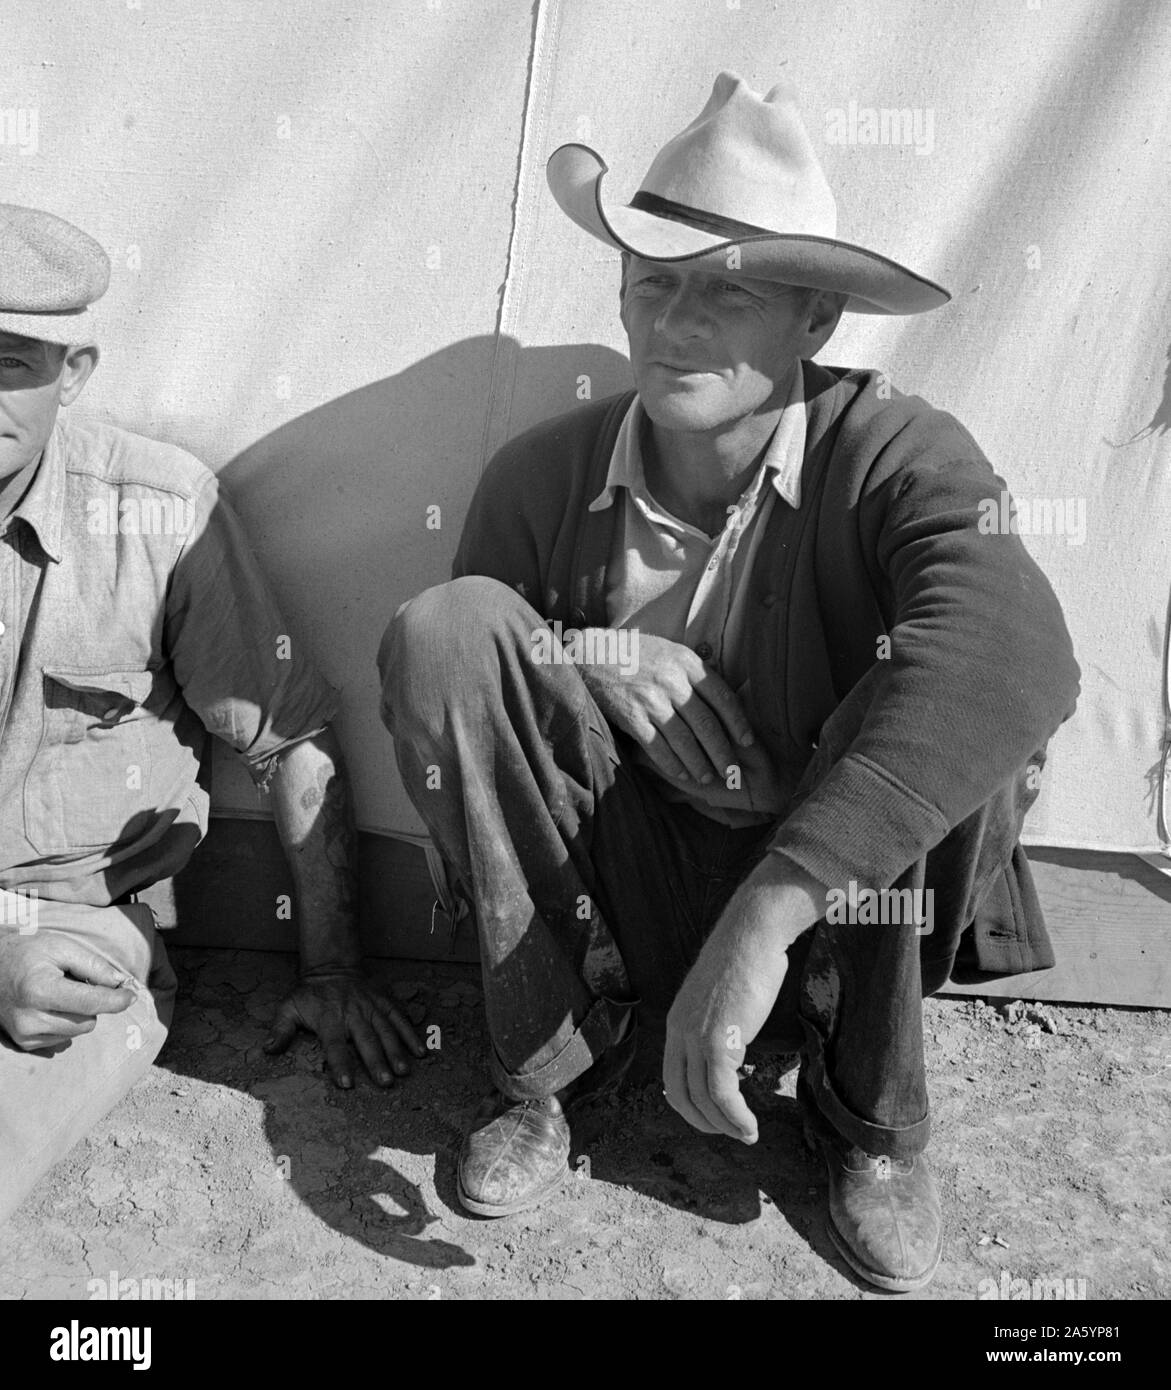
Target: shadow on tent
point(337, 456)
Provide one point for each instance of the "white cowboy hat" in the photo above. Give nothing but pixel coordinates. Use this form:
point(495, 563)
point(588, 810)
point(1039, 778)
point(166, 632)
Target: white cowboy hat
point(743, 174)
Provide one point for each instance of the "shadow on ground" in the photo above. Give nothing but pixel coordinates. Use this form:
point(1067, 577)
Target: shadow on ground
point(253, 1177)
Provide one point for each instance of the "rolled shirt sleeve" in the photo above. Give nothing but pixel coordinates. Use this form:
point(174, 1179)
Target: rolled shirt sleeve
point(241, 670)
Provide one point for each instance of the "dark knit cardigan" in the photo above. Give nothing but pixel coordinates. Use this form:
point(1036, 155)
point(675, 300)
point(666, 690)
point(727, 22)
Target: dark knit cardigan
point(980, 672)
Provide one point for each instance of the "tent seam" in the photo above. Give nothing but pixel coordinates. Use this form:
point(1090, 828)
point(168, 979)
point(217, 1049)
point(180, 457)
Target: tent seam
point(505, 348)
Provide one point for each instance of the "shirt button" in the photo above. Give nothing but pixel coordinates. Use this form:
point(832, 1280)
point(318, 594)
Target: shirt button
point(768, 600)
point(704, 651)
point(715, 564)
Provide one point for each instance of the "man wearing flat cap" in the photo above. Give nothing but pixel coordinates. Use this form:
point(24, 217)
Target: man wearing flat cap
point(134, 621)
point(731, 711)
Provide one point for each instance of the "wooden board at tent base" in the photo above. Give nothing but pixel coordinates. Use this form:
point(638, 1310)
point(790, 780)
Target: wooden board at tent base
point(1110, 919)
point(1109, 914)
point(237, 889)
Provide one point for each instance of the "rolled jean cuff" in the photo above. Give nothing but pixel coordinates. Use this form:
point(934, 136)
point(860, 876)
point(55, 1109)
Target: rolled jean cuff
point(901, 1142)
point(589, 1040)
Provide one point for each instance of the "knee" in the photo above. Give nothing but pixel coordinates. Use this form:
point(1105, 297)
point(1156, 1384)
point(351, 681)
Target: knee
point(436, 644)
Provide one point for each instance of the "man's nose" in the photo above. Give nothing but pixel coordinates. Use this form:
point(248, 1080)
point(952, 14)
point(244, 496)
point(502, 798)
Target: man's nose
point(683, 315)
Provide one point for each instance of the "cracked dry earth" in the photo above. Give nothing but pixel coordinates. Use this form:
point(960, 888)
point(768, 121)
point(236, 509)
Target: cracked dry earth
point(1051, 1149)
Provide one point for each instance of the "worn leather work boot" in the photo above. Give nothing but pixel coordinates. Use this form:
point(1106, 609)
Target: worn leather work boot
point(884, 1214)
point(517, 1151)
point(515, 1155)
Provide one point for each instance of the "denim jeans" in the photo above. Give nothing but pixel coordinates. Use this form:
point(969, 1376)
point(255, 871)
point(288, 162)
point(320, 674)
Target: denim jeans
point(594, 894)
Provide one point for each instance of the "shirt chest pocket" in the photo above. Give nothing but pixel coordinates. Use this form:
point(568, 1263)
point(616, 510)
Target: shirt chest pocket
point(88, 785)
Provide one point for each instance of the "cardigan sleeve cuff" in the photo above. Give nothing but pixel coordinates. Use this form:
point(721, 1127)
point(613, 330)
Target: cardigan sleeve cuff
point(858, 823)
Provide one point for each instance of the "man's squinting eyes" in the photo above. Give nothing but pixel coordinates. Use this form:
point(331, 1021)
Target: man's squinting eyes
point(730, 290)
point(37, 361)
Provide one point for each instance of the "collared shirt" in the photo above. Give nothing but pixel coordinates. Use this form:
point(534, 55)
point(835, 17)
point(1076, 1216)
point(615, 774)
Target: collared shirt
point(669, 579)
point(134, 619)
point(13, 488)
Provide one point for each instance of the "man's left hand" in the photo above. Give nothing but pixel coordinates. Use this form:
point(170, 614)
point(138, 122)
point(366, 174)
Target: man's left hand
point(729, 993)
point(343, 1007)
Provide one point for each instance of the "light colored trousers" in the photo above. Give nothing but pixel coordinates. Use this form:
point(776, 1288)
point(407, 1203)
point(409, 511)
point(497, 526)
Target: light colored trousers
point(49, 1100)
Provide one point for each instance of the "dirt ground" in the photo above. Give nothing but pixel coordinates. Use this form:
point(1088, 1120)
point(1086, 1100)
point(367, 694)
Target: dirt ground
point(253, 1177)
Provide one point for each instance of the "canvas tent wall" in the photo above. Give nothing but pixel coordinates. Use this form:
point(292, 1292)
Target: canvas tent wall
point(340, 281)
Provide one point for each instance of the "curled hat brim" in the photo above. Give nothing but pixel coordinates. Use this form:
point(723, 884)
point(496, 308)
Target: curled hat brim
point(66, 329)
point(874, 283)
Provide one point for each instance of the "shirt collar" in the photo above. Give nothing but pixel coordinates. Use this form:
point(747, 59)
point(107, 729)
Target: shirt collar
point(784, 457)
point(43, 505)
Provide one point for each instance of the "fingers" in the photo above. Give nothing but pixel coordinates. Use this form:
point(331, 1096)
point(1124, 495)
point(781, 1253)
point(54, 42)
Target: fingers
point(332, 1037)
point(723, 699)
point(700, 739)
point(383, 1037)
point(403, 1029)
point(66, 1025)
point(686, 749)
point(675, 1086)
point(709, 736)
point(706, 1091)
point(284, 1030)
point(722, 1092)
point(95, 990)
point(343, 1011)
point(659, 751)
point(43, 1028)
point(367, 1038)
point(697, 1093)
point(337, 1056)
point(84, 964)
point(391, 1044)
point(678, 754)
point(71, 996)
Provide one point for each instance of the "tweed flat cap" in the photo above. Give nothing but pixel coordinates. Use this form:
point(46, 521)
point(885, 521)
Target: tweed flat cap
point(50, 273)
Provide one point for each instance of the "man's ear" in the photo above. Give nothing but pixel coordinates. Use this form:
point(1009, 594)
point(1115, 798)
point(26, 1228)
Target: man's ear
point(79, 365)
point(825, 312)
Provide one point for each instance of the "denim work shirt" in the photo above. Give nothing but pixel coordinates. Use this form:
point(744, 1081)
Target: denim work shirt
point(134, 620)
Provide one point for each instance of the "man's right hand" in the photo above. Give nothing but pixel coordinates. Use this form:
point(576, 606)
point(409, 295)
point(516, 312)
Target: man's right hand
point(682, 713)
point(52, 989)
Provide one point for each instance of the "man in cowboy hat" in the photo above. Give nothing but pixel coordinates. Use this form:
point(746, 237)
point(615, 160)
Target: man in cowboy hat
point(806, 793)
point(133, 618)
